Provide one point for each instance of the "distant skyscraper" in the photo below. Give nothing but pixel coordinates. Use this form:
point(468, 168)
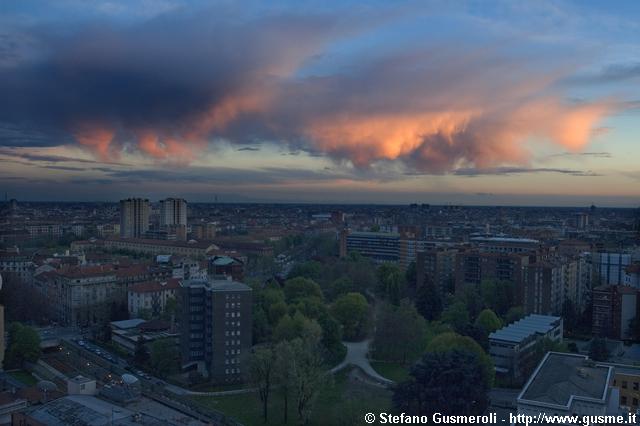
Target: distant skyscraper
point(173, 211)
point(134, 217)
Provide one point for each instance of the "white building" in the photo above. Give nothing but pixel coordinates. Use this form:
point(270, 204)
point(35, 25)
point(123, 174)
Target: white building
point(569, 384)
point(513, 347)
point(151, 296)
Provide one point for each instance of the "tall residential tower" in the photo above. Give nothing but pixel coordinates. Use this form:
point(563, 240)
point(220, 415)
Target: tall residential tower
point(134, 217)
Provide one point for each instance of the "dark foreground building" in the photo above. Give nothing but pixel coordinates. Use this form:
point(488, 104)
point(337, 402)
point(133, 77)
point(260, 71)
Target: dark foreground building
point(216, 328)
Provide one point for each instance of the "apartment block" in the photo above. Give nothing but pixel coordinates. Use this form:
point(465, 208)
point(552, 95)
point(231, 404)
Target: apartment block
point(216, 327)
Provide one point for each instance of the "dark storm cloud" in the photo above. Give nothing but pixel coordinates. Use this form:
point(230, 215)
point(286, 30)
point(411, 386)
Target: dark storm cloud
point(169, 86)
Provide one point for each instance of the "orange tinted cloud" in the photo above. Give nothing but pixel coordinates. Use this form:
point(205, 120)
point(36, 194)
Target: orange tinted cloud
point(97, 138)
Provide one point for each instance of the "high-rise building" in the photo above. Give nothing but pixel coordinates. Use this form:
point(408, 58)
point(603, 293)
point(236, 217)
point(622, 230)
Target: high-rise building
point(2, 348)
point(216, 328)
point(614, 307)
point(475, 266)
point(544, 287)
point(173, 211)
point(134, 217)
point(173, 217)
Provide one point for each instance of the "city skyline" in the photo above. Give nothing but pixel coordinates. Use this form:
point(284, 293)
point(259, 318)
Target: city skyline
point(534, 103)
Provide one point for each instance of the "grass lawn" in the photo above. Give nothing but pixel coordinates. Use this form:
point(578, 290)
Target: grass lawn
point(23, 376)
point(339, 402)
point(391, 370)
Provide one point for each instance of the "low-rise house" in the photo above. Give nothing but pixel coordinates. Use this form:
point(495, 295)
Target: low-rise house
point(513, 348)
point(151, 296)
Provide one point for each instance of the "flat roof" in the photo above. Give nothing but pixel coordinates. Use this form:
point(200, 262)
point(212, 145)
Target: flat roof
point(86, 410)
point(217, 285)
point(130, 323)
point(520, 330)
point(373, 234)
point(561, 377)
point(505, 240)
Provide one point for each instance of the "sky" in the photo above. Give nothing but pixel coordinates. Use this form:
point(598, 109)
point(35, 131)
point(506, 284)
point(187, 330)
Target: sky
point(466, 102)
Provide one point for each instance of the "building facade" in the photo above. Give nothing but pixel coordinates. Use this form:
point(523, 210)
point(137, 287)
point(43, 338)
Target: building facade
point(216, 326)
point(151, 296)
point(513, 348)
point(569, 384)
point(613, 308)
point(134, 217)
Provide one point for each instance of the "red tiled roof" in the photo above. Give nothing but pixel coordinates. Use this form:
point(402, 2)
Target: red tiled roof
point(153, 286)
point(132, 271)
point(87, 271)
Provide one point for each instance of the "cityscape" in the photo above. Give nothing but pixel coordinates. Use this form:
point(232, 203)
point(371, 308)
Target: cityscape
point(323, 213)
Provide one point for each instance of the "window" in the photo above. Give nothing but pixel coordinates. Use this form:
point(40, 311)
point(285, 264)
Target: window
point(623, 400)
point(635, 402)
point(624, 384)
point(636, 386)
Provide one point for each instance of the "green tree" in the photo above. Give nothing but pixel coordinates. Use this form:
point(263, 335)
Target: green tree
point(390, 283)
point(311, 307)
point(472, 301)
point(428, 301)
point(308, 375)
point(24, 345)
point(283, 374)
point(452, 341)
point(332, 339)
point(514, 314)
point(498, 295)
point(488, 321)
point(164, 357)
point(170, 309)
point(598, 350)
point(311, 270)
point(260, 325)
point(261, 375)
point(410, 275)
point(456, 315)
point(298, 288)
point(401, 333)
point(352, 312)
point(296, 326)
point(338, 287)
point(141, 353)
point(276, 311)
point(450, 382)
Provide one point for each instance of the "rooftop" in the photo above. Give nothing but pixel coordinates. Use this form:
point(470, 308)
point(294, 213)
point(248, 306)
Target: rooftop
point(155, 286)
point(224, 260)
point(130, 323)
point(561, 377)
point(87, 410)
point(520, 330)
point(505, 240)
point(217, 284)
point(374, 234)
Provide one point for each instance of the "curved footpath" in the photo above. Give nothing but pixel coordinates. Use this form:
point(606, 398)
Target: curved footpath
point(357, 356)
